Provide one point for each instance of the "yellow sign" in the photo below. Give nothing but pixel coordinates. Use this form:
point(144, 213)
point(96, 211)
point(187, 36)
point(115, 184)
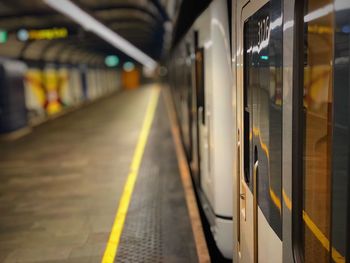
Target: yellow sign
point(42, 34)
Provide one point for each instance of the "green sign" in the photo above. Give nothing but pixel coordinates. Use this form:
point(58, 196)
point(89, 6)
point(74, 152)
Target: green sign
point(111, 61)
point(3, 36)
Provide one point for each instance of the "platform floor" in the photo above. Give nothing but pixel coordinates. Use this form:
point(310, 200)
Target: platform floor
point(158, 227)
point(60, 187)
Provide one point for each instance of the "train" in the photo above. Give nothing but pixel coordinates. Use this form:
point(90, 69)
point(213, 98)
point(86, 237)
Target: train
point(261, 91)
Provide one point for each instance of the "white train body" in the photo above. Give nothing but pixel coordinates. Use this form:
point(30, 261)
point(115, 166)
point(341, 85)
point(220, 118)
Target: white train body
point(215, 141)
point(261, 89)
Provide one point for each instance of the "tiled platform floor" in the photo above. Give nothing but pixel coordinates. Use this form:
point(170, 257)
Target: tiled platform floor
point(157, 227)
point(60, 185)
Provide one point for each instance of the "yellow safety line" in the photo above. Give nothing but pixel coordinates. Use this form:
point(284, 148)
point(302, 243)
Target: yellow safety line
point(317, 232)
point(275, 199)
point(337, 257)
point(286, 200)
point(192, 208)
point(117, 229)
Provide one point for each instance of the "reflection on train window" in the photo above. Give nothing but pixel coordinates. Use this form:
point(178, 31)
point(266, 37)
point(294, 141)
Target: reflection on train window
point(318, 89)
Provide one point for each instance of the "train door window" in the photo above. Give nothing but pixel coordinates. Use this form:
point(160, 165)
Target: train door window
point(324, 113)
point(200, 81)
point(263, 110)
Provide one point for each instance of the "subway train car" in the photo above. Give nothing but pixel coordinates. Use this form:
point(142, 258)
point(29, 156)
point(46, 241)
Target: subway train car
point(262, 95)
point(201, 78)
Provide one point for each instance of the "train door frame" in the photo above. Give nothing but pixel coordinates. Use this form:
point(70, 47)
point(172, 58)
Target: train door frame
point(290, 38)
point(249, 212)
point(247, 232)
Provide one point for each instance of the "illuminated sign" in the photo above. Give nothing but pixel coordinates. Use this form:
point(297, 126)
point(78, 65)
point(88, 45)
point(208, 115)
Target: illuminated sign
point(111, 61)
point(42, 34)
point(3, 36)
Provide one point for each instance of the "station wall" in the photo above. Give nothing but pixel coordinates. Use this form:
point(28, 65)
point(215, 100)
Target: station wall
point(52, 89)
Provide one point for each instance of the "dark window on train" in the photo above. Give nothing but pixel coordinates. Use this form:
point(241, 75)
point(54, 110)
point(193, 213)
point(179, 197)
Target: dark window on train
point(341, 135)
point(324, 114)
point(200, 81)
point(263, 85)
point(189, 96)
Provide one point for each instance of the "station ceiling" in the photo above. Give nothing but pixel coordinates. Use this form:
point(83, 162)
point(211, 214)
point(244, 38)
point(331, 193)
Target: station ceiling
point(150, 25)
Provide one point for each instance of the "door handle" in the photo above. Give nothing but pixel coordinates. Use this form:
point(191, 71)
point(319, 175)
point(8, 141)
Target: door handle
point(255, 169)
point(242, 196)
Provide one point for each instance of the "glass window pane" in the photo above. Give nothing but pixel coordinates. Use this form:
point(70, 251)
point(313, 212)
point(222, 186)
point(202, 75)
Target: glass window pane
point(340, 144)
point(318, 89)
point(263, 109)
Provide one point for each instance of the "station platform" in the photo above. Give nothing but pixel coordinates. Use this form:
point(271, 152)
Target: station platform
point(105, 183)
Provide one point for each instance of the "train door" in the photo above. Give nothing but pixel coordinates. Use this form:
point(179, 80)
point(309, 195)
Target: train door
point(260, 103)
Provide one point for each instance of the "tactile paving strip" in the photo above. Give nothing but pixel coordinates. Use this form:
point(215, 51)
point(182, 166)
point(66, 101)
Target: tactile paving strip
point(157, 227)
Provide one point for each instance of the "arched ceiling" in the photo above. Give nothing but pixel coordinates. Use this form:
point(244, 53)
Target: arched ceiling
point(144, 23)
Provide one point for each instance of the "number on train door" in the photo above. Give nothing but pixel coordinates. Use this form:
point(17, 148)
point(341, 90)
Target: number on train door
point(261, 85)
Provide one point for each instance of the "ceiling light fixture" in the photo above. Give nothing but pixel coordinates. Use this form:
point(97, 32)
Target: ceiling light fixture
point(71, 10)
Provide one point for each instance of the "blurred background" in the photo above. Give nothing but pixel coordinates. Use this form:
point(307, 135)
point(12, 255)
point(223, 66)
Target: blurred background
point(58, 54)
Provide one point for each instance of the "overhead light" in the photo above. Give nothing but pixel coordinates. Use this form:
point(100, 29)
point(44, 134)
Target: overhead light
point(71, 10)
point(23, 35)
point(3, 36)
point(111, 61)
point(318, 13)
point(128, 66)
